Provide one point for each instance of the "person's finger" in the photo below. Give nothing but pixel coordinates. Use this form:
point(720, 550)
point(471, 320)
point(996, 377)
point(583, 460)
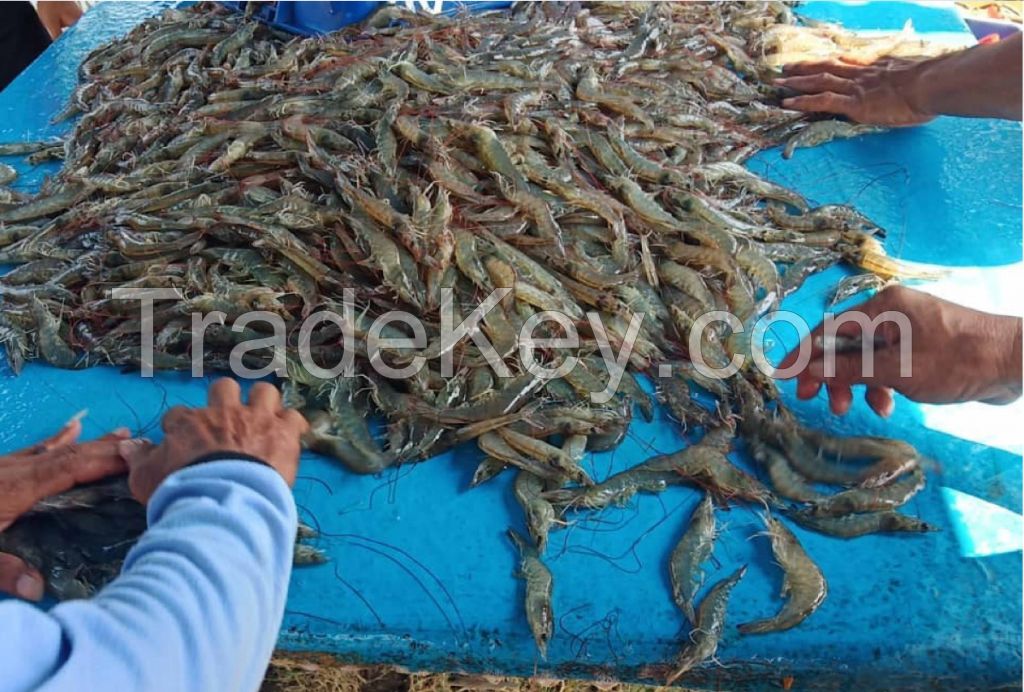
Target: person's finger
point(224, 393)
point(825, 102)
point(296, 421)
point(850, 368)
point(135, 450)
point(265, 396)
point(859, 61)
point(817, 83)
point(141, 466)
point(840, 397)
point(65, 436)
point(806, 347)
point(811, 345)
point(66, 467)
point(71, 16)
point(116, 434)
point(175, 417)
point(808, 387)
point(789, 360)
point(19, 579)
point(839, 69)
point(814, 344)
point(880, 400)
point(52, 26)
point(845, 369)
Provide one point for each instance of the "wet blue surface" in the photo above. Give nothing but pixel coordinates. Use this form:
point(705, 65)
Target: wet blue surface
point(422, 574)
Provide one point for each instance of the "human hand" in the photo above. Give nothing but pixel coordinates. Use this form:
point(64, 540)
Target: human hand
point(954, 354)
point(263, 429)
point(57, 15)
point(885, 92)
point(53, 466)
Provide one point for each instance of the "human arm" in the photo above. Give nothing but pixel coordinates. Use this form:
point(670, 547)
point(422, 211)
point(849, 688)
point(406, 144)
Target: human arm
point(57, 15)
point(983, 81)
point(201, 595)
point(48, 468)
point(953, 353)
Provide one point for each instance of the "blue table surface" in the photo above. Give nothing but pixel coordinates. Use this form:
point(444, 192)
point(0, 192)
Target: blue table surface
point(420, 571)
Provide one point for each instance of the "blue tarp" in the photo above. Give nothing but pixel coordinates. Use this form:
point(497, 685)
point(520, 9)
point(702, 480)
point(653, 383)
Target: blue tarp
point(421, 572)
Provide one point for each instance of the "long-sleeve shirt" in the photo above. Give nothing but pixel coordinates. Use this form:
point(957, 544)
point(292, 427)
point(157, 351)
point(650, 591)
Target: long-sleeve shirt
point(198, 604)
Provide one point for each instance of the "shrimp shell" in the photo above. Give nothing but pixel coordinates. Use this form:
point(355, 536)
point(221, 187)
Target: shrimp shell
point(803, 582)
point(693, 549)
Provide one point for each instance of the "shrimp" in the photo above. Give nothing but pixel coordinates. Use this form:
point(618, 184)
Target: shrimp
point(644, 205)
point(639, 164)
point(486, 470)
point(549, 454)
point(693, 549)
point(759, 268)
point(785, 480)
point(871, 499)
point(467, 259)
point(494, 155)
point(589, 89)
point(688, 281)
point(515, 104)
point(326, 435)
point(575, 446)
point(540, 515)
point(674, 393)
point(53, 348)
point(803, 583)
point(536, 210)
point(812, 466)
point(422, 80)
point(709, 626)
point(737, 175)
point(705, 464)
point(47, 206)
point(855, 525)
point(539, 585)
point(614, 490)
point(852, 285)
point(305, 555)
point(493, 445)
point(824, 131)
point(7, 174)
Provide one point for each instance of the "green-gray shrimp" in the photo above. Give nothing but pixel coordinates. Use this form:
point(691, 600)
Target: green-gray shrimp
point(540, 515)
point(539, 585)
point(709, 627)
point(871, 499)
point(824, 131)
point(690, 553)
point(614, 490)
point(803, 584)
point(856, 525)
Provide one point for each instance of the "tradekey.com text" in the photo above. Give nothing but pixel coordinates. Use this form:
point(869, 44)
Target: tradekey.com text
point(395, 343)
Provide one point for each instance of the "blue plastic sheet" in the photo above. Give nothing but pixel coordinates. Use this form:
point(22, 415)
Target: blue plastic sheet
point(325, 16)
point(421, 572)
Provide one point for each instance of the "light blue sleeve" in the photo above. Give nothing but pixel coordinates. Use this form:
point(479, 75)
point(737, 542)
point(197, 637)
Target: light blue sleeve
point(198, 604)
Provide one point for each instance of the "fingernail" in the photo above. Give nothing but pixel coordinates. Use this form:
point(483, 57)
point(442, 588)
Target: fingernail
point(28, 587)
point(77, 417)
point(121, 432)
point(787, 102)
point(779, 81)
point(129, 448)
